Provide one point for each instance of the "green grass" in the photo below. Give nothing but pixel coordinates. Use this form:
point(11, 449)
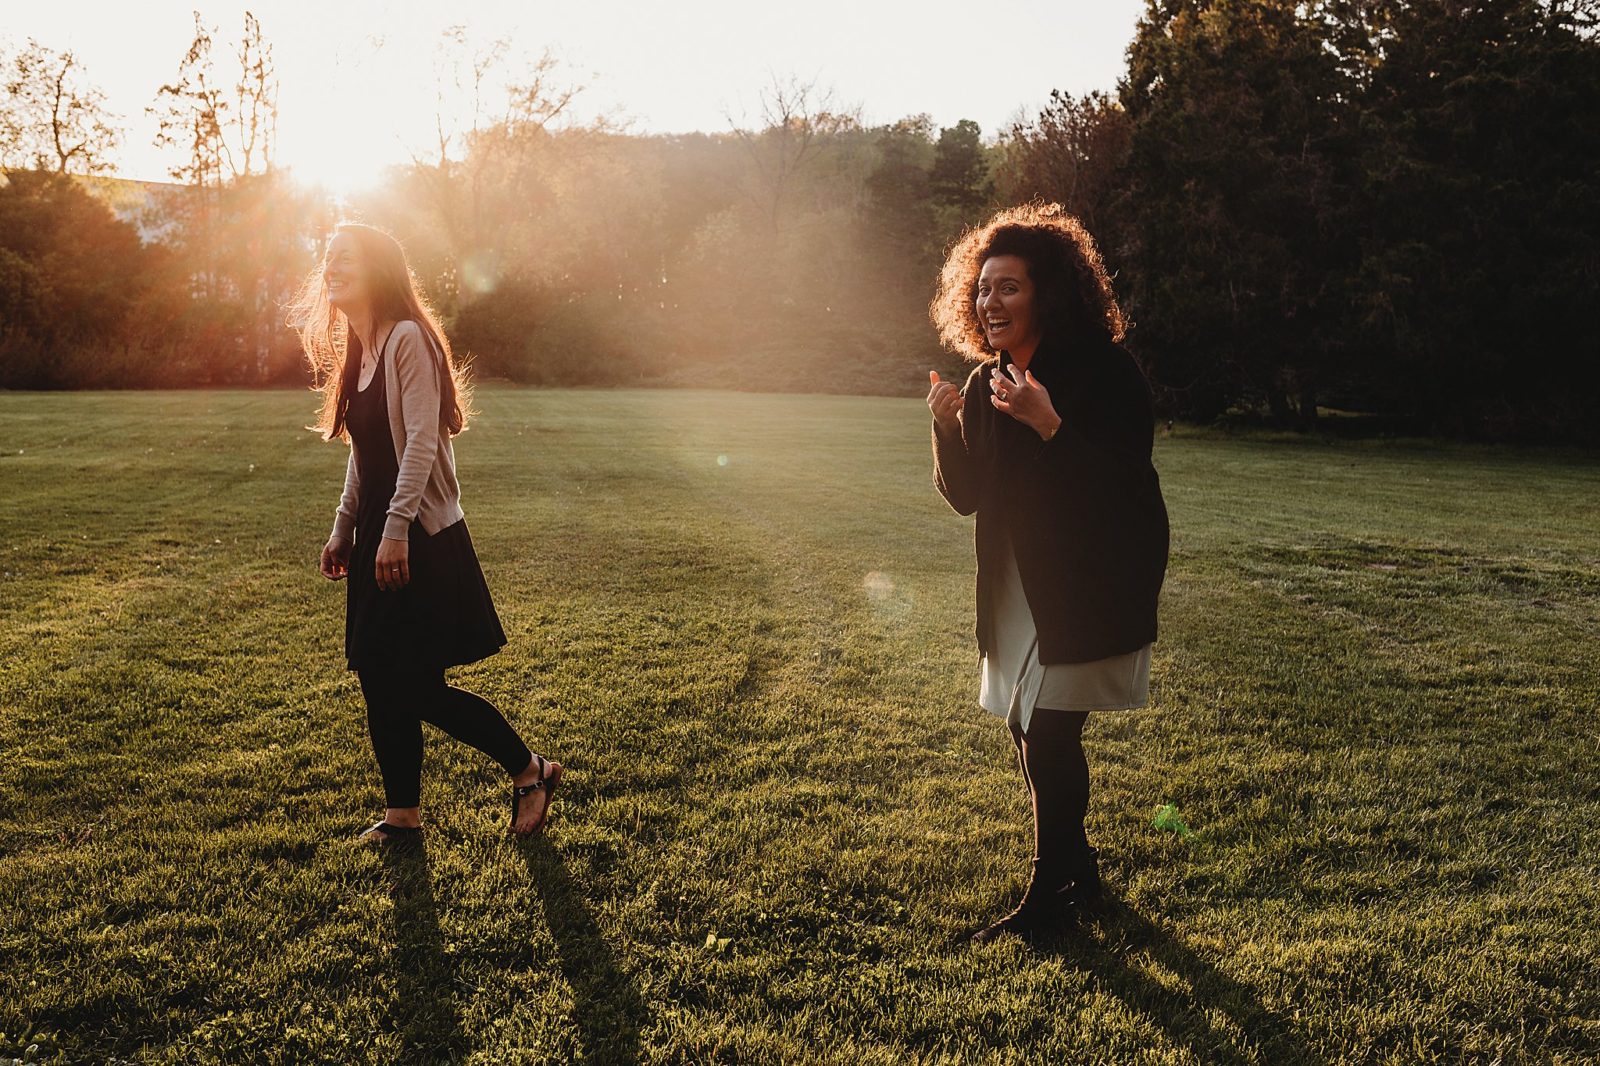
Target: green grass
point(743, 622)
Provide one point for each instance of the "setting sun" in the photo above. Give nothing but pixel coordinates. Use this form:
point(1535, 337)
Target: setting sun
point(337, 161)
point(365, 85)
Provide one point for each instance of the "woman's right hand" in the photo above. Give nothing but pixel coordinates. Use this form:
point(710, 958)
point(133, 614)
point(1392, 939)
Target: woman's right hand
point(944, 400)
point(335, 564)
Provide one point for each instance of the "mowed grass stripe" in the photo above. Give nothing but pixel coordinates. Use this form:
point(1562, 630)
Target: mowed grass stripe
point(745, 623)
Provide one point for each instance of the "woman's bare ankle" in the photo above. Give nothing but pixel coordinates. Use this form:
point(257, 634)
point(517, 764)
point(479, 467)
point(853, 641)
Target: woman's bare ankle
point(531, 773)
point(403, 817)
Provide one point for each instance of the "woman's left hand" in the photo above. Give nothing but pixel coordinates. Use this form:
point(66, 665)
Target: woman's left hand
point(1023, 398)
point(394, 564)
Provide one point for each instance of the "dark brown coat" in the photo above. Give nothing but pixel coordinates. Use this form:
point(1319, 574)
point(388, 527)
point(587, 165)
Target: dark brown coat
point(1083, 510)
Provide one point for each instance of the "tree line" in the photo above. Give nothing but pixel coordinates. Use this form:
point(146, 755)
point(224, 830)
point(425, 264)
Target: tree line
point(1386, 208)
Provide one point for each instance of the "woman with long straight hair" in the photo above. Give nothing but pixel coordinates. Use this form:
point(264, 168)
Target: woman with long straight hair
point(416, 599)
point(1049, 444)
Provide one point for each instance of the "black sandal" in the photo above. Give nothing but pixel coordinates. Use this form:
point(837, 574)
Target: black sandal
point(549, 778)
point(391, 834)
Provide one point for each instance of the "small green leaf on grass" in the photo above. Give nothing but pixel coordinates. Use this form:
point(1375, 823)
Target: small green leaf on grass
point(1167, 818)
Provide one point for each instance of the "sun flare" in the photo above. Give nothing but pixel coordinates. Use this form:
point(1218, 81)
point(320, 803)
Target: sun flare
point(344, 141)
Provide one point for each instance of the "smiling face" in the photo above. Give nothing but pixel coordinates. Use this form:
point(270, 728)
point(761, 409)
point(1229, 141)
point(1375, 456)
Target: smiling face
point(1006, 306)
point(345, 274)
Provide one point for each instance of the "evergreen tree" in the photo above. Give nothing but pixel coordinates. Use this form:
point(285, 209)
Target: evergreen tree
point(1481, 176)
point(959, 178)
point(1231, 203)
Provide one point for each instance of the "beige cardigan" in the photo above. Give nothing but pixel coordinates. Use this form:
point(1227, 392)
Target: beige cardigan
point(425, 489)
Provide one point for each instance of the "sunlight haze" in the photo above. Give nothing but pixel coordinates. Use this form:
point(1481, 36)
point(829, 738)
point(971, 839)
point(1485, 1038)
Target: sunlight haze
point(359, 79)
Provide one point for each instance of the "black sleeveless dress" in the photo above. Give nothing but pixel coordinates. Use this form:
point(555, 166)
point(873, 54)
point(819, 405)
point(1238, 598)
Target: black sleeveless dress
point(444, 616)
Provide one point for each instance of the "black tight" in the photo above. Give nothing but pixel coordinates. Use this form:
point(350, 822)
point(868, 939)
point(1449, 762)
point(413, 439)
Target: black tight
point(1057, 775)
point(400, 700)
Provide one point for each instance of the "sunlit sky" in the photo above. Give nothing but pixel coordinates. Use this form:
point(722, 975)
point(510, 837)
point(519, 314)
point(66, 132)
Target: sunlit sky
point(359, 77)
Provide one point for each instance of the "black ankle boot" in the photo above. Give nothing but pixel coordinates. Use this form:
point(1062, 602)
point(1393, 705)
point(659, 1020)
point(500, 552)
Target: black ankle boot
point(1083, 887)
point(1042, 909)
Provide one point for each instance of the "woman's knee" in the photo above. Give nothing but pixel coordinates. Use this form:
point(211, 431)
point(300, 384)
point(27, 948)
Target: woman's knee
point(1052, 728)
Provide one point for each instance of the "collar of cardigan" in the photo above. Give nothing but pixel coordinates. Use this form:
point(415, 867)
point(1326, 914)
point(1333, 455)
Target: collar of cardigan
point(1046, 358)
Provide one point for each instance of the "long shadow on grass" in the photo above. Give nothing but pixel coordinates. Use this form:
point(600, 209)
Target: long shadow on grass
point(1181, 1014)
point(426, 1015)
point(606, 1006)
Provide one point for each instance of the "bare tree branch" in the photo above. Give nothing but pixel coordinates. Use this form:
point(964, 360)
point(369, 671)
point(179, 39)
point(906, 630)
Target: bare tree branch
point(49, 119)
point(793, 114)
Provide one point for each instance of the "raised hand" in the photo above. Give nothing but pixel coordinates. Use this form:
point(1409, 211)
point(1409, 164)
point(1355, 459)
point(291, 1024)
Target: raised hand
point(1022, 397)
point(944, 400)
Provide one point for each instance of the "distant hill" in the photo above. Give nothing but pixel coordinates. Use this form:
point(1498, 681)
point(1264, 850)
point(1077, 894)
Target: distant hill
point(141, 203)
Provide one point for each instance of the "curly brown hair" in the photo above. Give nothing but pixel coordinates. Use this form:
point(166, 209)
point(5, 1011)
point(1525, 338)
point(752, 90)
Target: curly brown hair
point(1074, 291)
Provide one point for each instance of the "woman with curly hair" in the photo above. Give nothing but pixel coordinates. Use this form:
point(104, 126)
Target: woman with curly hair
point(1049, 444)
point(416, 601)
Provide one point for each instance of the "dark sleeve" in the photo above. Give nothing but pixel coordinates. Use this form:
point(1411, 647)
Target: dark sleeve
point(955, 472)
point(1112, 426)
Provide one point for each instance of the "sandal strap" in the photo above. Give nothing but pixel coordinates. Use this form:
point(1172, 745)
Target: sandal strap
point(523, 790)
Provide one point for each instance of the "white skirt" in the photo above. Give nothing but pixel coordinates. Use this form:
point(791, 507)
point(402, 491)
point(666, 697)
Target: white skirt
point(1015, 682)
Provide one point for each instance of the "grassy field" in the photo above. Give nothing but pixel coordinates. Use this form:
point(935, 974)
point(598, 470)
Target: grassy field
point(743, 622)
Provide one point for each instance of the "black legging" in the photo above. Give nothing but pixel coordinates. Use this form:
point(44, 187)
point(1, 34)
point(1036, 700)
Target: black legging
point(400, 700)
point(1057, 775)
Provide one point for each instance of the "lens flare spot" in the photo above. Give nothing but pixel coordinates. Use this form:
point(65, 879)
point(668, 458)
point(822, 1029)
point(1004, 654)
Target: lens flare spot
point(479, 274)
point(722, 460)
point(887, 599)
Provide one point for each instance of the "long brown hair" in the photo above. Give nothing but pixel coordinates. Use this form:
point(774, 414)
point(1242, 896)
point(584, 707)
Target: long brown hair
point(1074, 290)
point(334, 351)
